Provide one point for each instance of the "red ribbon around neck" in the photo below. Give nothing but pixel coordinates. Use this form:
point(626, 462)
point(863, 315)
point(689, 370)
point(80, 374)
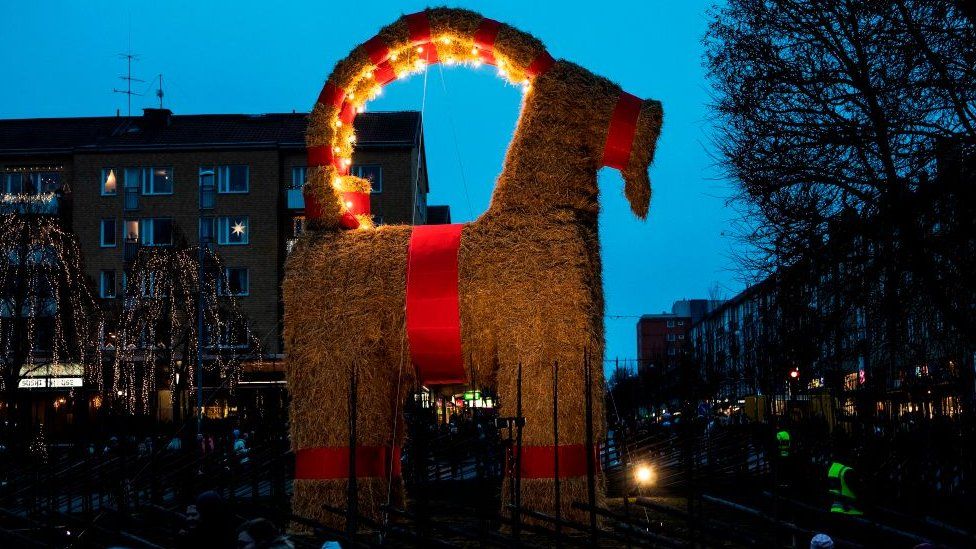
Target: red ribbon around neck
point(324, 463)
point(540, 462)
point(433, 313)
point(623, 127)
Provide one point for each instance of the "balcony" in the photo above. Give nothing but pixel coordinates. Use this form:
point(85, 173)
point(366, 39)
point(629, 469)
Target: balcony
point(131, 199)
point(295, 199)
point(130, 249)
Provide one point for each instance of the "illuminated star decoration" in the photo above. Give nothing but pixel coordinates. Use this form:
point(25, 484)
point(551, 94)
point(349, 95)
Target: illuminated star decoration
point(238, 229)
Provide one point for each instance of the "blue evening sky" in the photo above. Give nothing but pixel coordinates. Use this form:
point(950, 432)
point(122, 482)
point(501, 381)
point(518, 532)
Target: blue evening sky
point(60, 59)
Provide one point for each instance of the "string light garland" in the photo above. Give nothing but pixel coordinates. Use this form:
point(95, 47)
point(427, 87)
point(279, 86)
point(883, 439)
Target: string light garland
point(400, 50)
point(163, 296)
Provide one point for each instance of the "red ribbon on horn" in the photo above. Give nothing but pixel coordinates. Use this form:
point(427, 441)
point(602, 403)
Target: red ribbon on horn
point(620, 135)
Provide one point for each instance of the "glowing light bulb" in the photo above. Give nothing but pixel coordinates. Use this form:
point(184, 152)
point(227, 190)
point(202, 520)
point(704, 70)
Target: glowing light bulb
point(394, 57)
point(360, 109)
point(350, 96)
point(420, 49)
point(349, 203)
point(338, 123)
point(347, 161)
point(644, 474)
point(445, 40)
point(336, 149)
point(337, 181)
point(474, 50)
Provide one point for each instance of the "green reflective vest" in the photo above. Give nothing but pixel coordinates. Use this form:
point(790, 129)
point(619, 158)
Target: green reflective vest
point(783, 442)
point(839, 488)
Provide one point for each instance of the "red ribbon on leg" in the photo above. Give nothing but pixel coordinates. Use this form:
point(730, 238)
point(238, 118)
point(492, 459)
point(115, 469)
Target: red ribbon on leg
point(540, 462)
point(323, 463)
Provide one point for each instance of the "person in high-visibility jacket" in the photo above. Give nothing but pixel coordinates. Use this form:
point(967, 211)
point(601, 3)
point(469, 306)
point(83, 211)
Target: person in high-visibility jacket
point(843, 483)
point(783, 443)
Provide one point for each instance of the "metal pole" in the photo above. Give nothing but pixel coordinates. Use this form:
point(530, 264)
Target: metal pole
point(590, 465)
point(519, 423)
point(555, 445)
point(352, 498)
point(200, 339)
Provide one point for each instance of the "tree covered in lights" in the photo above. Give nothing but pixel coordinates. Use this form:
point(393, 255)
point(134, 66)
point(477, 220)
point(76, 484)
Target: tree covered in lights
point(49, 318)
point(178, 311)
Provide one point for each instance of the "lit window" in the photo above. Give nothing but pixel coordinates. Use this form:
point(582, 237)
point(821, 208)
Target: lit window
point(234, 282)
point(156, 232)
point(106, 287)
point(157, 181)
point(373, 173)
point(232, 179)
point(108, 180)
point(298, 177)
point(107, 233)
point(232, 230)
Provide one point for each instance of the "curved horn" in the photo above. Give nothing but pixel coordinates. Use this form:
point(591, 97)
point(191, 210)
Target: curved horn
point(333, 198)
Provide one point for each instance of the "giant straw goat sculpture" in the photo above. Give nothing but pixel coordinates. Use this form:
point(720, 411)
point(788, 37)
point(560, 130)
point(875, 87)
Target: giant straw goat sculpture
point(525, 277)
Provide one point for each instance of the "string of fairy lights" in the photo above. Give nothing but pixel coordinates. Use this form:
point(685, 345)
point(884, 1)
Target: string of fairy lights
point(43, 282)
point(405, 61)
point(51, 321)
point(163, 296)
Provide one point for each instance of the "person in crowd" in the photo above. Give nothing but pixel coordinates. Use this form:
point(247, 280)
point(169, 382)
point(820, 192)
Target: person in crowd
point(821, 541)
point(261, 533)
point(208, 525)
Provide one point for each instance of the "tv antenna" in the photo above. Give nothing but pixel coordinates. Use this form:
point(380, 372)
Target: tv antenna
point(159, 91)
point(129, 58)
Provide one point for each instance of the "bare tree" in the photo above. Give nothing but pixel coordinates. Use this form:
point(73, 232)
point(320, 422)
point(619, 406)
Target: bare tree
point(49, 319)
point(179, 313)
point(849, 126)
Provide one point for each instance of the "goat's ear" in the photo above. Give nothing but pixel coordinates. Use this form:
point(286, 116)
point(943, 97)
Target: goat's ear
point(637, 184)
point(637, 188)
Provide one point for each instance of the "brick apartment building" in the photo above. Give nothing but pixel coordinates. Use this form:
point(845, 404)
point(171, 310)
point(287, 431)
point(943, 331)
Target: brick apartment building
point(232, 181)
point(663, 345)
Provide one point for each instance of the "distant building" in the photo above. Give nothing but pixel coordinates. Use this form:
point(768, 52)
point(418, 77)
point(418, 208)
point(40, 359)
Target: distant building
point(233, 182)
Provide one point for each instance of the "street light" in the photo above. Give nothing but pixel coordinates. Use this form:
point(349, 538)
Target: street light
point(644, 475)
point(795, 374)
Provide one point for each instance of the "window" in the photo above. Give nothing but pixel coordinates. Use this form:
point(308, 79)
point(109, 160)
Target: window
point(108, 180)
point(31, 183)
point(132, 186)
point(230, 333)
point(670, 337)
point(208, 188)
point(232, 179)
point(106, 286)
point(13, 183)
point(672, 351)
point(234, 281)
point(298, 177)
point(156, 231)
point(107, 232)
point(157, 181)
point(670, 324)
point(373, 173)
point(232, 230)
point(208, 231)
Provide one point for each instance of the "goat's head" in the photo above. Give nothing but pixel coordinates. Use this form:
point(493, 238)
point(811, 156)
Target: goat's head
point(594, 116)
point(602, 123)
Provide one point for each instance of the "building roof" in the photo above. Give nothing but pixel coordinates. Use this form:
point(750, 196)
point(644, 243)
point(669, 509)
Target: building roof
point(159, 129)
